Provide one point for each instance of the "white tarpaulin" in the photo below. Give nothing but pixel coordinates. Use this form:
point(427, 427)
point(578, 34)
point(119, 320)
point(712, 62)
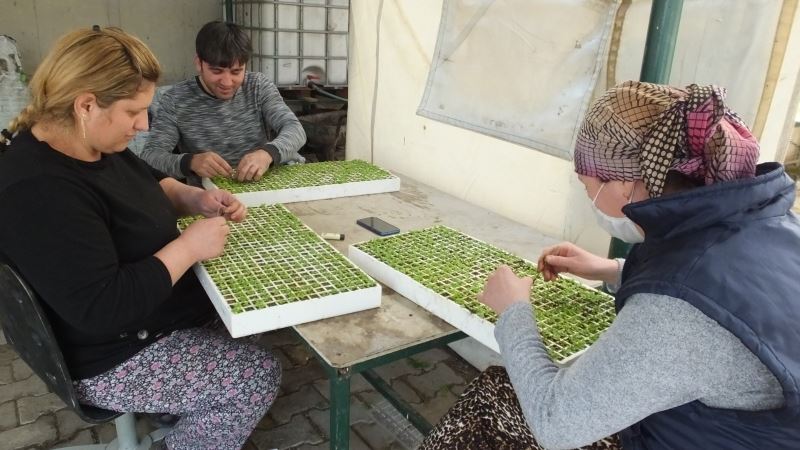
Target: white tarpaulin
point(519, 70)
point(13, 92)
point(722, 42)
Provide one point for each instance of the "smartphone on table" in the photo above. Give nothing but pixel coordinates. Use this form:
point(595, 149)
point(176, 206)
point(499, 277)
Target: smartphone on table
point(378, 226)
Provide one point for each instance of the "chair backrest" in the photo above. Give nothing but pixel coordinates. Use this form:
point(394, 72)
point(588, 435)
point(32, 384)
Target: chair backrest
point(27, 330)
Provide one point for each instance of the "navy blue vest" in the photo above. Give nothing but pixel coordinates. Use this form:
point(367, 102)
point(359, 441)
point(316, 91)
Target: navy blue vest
point(732, 250)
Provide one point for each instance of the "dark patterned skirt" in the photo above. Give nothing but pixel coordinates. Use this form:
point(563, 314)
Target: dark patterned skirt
point(488, 416)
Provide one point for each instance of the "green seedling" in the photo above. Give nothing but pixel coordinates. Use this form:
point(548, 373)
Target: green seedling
point(570, 316)
point(306, 175)
point(273, 259)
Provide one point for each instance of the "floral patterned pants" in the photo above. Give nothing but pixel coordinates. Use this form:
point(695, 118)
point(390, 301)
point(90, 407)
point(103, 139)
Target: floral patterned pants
point(219, 386)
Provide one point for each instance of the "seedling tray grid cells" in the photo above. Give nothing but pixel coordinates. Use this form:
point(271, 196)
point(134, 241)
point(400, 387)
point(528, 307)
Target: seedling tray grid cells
point(306, 182)
point(305, 175)
point(273, 259)
point(455, 266)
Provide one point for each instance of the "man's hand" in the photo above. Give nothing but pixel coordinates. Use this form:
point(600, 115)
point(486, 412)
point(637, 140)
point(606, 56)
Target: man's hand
point(209, 164)
point(503, 288)
point(218, 202)
point(253, 166)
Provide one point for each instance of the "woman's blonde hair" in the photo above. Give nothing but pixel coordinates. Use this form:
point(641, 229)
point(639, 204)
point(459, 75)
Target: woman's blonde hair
point(108, 62)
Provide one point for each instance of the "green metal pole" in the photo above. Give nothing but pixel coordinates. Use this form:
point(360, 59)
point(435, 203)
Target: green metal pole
point(340, 410)
point(665, 17)
point(228, 10)
point(662, 32)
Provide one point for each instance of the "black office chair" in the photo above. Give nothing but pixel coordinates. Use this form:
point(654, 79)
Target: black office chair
point(27, 329)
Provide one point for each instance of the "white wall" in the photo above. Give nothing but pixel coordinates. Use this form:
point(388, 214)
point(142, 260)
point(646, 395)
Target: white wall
point(167, 26)
point(523, 184)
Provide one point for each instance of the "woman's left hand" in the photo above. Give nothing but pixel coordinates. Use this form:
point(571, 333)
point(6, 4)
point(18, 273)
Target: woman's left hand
point(503, 288)
point(218, 202)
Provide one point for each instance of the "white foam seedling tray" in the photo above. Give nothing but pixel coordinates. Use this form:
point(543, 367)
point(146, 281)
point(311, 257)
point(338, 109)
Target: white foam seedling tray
point(313, 181)
point(442, 270)
point(276, 272)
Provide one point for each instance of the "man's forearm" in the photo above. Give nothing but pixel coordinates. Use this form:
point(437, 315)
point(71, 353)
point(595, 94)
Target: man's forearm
point(167, 162)
point(290, 139)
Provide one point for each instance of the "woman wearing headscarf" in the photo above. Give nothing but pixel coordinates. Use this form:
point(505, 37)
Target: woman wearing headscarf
point(703, 351)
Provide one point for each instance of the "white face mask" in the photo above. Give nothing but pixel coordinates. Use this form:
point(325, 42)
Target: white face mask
point(621, 228)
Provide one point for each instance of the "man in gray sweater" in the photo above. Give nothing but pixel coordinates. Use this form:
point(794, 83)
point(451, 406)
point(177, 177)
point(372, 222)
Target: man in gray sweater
point(221, 120)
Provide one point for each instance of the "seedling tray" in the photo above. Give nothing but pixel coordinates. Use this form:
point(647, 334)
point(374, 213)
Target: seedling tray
point(443, 270)
point(313, 181)
point(276, 272)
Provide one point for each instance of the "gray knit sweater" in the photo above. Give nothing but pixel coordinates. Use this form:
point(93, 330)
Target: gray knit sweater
point(660, 352)
point(195, 121)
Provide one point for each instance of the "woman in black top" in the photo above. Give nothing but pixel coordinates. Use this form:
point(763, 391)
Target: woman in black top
point(92, 229)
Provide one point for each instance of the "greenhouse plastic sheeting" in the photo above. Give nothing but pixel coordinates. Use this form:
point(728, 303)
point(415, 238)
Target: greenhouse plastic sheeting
point(538, 72)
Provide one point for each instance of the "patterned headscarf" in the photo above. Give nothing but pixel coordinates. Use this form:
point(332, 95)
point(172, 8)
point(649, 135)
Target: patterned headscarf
point(642, 130)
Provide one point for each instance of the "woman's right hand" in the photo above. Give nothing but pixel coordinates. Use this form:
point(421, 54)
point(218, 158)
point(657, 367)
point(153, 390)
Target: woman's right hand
point(568, 257)
point(205, 238)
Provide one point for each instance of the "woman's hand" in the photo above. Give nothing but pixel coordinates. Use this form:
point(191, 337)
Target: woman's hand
point(503, 288)
point(218, 202)
point(205, 238)
point(569, 258)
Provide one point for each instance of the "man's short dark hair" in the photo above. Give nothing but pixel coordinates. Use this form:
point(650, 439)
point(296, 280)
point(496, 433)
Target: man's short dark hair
point(223, 44)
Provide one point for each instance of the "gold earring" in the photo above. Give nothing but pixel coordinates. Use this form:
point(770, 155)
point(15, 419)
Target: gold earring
point(83, 127)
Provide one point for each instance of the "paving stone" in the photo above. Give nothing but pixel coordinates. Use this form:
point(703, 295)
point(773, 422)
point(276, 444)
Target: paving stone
point(69, 423)
point(293, 378)
point(357, 384)
point(458, 389)
point(392, 421)
point(25, 388)
point(266, 423)
point(38, 433)
point(286, 363)
point(105, 432)
point(405, 391)
point(31, 408)
point(84, 437)
point(288, 405)
point(433, 409)
point(371, 398)
point(299, 354)
point(278, 338)
point(324, 445)
point(462, 367)
point(321, 419)
point(441, 377)
point(297, 432)
point(399, 369)
point(377, 437)
point(6, 374)
point(21, 370)
point(429, 358)
point(7, 354)
point(8, 416)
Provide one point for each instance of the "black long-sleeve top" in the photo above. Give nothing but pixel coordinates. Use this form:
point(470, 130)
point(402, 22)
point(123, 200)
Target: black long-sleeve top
point(83, 235)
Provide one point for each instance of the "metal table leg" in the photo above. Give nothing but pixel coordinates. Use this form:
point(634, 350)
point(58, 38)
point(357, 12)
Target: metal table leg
point(340, 409)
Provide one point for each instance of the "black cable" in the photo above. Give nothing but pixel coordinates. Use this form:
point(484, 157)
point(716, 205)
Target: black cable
point(316, 87)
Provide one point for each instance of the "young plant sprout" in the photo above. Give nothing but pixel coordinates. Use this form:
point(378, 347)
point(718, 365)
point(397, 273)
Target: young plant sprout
point(570, 316)
point(272, 259)
point(306, 175)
